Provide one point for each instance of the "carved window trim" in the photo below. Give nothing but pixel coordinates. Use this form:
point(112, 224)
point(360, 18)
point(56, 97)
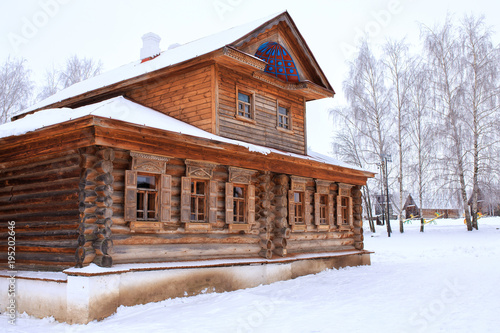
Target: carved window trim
point(283, 127)
point(327, 222)
point(298, 186)
point(345, 218)
point(251, 105)
point(154, 165)
point(199, 171)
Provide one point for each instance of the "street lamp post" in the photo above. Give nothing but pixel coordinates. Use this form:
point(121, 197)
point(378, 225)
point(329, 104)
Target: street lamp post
point(387, 158)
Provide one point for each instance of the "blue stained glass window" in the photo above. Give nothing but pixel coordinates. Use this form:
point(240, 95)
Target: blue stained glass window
point(274, 53)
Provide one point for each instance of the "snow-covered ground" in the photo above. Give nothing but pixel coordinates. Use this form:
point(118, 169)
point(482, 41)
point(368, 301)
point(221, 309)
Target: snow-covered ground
point(443, 280)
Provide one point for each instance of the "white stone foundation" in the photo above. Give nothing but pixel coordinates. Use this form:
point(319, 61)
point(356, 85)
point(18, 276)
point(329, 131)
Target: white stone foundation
point(86, 294)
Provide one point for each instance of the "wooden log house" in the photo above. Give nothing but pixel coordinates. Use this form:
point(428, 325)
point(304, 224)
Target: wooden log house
point(232, 177)
point(106, 191)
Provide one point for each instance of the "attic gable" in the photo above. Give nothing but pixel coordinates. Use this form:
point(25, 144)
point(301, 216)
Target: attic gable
point(283, 31)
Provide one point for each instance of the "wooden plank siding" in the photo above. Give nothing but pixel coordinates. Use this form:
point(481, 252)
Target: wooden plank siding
point(186, 96)
point(263, 131)
point(41, 195)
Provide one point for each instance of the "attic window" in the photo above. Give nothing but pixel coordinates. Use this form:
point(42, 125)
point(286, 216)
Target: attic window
point(279, 61)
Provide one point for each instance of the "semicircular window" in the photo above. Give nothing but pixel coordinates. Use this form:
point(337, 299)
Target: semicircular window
point(279, 61)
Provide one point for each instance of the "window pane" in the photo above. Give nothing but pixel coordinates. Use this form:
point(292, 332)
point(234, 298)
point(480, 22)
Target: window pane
point(241, 212)
point(148, 182)
point(140, 201)
point(283, 111)
point(151, 201)
point(201, 208)
point(243, 97)
point(238, 192)
point(297, 197)
point(200, 188)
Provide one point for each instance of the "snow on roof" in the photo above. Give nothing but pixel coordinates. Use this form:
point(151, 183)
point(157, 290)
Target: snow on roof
point(166, 58)
point(120, 108)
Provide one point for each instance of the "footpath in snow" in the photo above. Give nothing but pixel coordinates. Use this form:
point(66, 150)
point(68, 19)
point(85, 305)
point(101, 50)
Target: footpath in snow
point(443, 280)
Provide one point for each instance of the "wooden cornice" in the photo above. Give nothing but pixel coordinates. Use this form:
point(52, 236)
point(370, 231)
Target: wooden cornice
point(311, 90)
point(94, 130)
point(243, 57)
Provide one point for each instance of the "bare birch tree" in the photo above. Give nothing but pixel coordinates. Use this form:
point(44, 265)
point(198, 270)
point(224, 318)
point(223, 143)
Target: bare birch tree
point(399, 65)
point(369, 106)
point(481, 91)
point(78, 70)
point(15, 88)
point(443, 51)
point(420, 131)
point(75, 70)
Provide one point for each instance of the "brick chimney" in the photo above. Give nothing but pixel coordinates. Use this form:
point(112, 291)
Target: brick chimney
point(150, 46)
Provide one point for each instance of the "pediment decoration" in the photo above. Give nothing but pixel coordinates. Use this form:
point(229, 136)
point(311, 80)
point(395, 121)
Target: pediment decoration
point(199, 169)
point(299, 183)
point(323, 186)
point(241, 176)
point(148, 163)
point(345, 190)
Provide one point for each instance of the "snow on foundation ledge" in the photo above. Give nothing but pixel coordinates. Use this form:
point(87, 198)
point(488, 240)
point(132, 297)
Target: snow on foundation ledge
point(93, 269)
point(120, 108)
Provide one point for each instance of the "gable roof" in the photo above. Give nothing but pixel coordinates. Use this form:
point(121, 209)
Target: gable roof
point(171, 57)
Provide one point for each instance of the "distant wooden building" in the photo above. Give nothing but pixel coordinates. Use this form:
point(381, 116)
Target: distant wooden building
point(195, 153)
point(410, 207)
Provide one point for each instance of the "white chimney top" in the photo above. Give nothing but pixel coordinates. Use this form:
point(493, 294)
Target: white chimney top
point(150, 45)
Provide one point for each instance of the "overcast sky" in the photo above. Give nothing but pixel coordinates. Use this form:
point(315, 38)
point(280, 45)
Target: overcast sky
point(46, 32)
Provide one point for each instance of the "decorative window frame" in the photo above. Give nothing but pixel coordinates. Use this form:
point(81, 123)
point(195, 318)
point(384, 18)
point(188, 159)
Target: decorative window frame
point(345, 191)
point(148, 165)
point(252, 106)
point(287, 106)
point(243, 178)
point(199, 170)
point(298, 184)
point(323, 188)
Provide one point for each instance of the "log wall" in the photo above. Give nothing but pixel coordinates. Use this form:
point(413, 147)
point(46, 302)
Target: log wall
point(69, 211)
point(263, 131)
point(41, 195)
point(270, 237)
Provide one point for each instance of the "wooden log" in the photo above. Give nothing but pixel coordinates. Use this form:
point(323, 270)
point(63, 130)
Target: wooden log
point(187, 239)
point(87, 195)
point(359, 245)
point(103, 246)
point(104, 232)
point(84, 255)
point(104, 202)
point(85, 228)
point(267, 245)
point(280, 242)
point(268, 254)
point(104, 190)
point(359, 238)
point(104, 166)
point(105, 223)
point(84, 238)
point(104, 179)
point(280, 251)
point(103, 260)
point(176, 252)
point(107, 154)
point(285, 232)
point(103, 213)
point(308, 236)
point(303, 246)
